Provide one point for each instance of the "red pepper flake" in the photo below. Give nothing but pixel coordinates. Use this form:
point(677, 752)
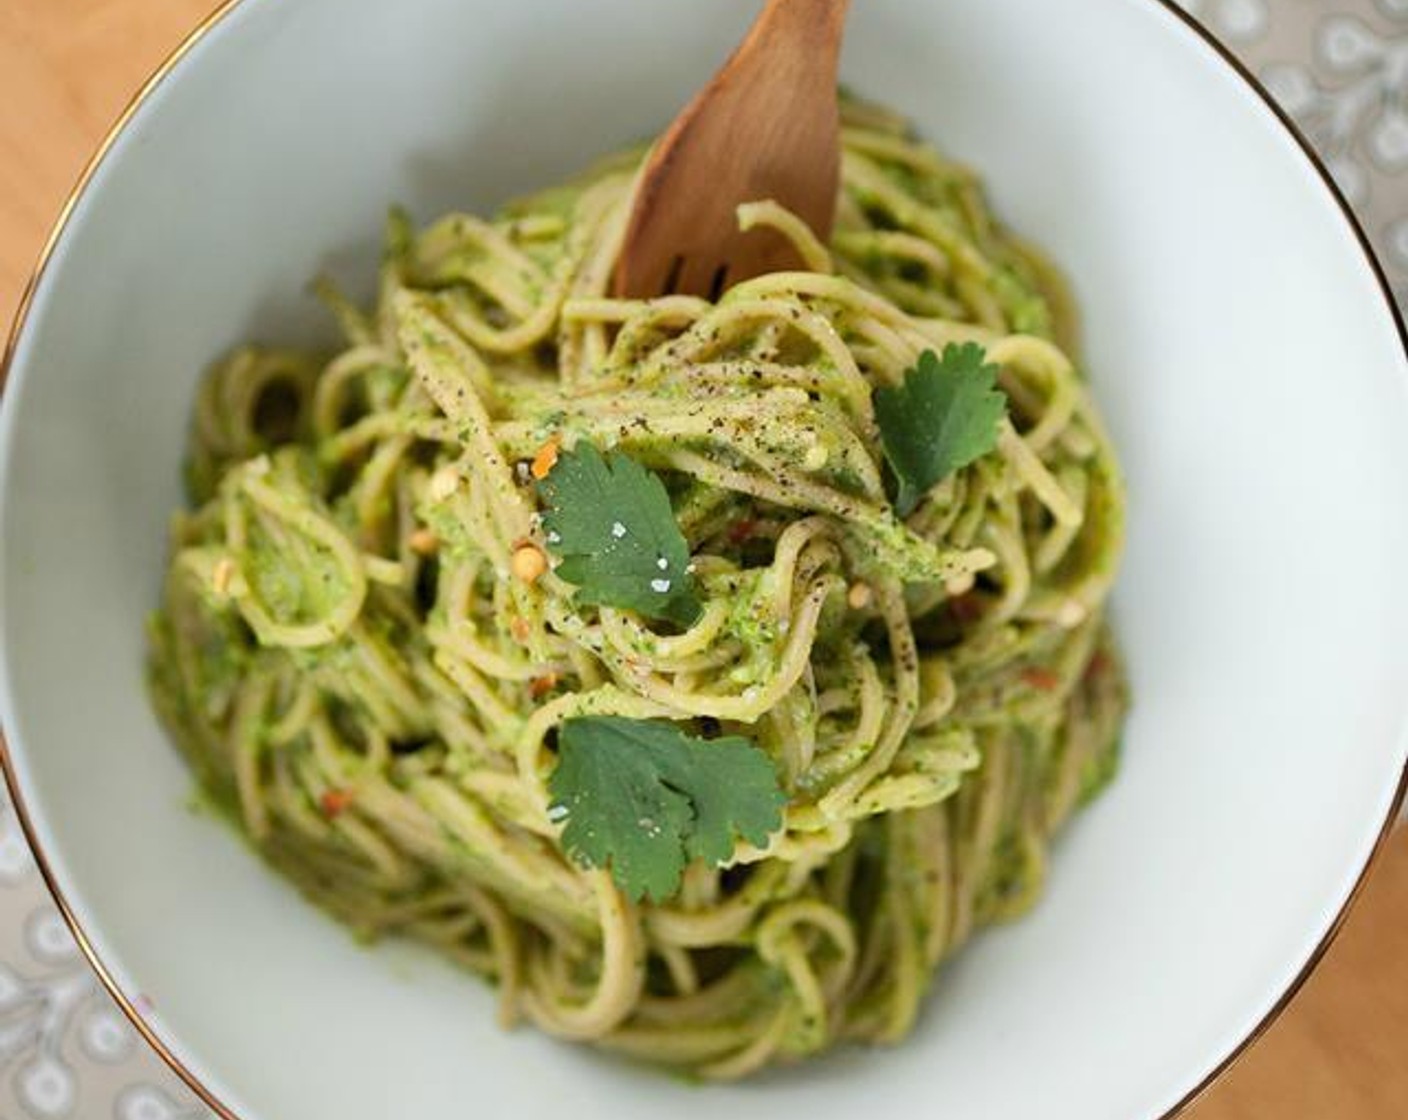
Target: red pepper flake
point(545, 458)
point(740, 531)
point(541, 686)
point(1043, 679)
point(1099, 665)
point(964, 609)
point(335, 802)
point(519, 628)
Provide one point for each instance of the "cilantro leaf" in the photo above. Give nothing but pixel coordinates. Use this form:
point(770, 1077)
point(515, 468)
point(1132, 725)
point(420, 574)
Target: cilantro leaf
point(644, 798)
point(943, 416)
point(610, 523)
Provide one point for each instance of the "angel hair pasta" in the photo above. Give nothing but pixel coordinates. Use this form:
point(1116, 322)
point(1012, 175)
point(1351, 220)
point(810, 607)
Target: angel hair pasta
point(701, 673)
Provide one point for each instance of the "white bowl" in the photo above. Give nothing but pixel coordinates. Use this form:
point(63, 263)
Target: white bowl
point(1241, 343)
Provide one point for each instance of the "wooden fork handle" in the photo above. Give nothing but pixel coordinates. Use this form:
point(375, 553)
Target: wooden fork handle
point(817, 22)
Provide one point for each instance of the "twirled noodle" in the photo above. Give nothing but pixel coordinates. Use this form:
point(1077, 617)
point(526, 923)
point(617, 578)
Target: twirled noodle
point(344, 657)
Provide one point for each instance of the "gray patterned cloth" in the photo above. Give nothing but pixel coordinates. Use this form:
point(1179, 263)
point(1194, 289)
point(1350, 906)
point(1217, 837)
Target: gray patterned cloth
point(1339, 67)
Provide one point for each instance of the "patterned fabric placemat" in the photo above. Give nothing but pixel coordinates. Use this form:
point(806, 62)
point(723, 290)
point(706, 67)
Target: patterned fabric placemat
point(1339, 67)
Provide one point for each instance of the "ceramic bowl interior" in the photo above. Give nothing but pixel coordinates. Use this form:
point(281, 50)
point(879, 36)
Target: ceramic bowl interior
point(1238, 340)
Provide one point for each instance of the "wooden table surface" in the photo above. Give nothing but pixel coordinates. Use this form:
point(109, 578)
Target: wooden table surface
point(66, 69)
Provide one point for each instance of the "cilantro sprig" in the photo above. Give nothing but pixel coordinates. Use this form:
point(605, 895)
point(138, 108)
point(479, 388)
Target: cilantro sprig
point(609, 521)
point(942, 417)
point(644, 799)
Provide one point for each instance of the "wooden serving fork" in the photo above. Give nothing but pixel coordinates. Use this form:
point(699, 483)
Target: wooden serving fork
point(767, 126)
